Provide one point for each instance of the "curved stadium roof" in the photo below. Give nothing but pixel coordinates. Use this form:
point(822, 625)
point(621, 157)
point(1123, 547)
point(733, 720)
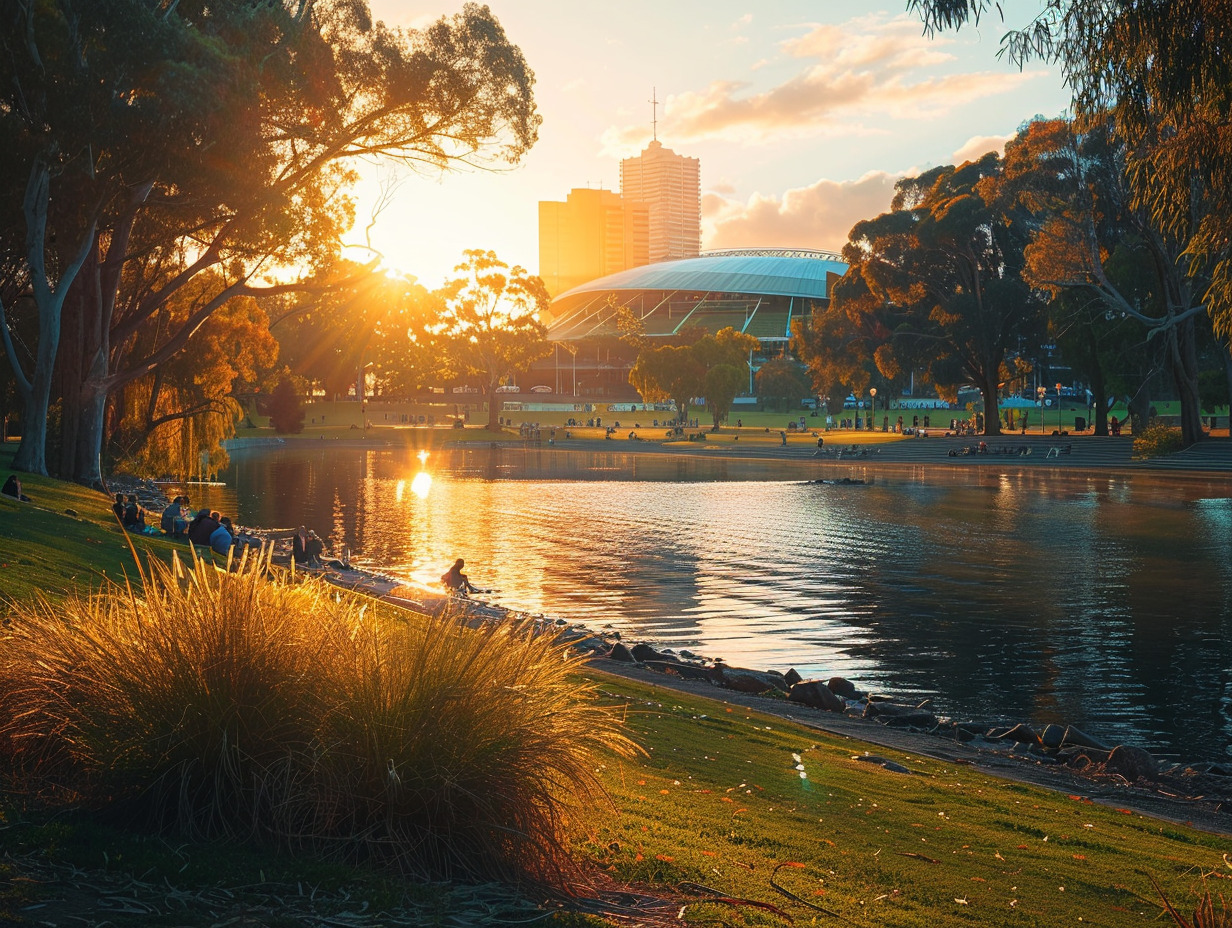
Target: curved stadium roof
point(757, 291)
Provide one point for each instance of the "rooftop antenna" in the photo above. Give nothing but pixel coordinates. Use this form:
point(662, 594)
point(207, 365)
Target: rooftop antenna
point(654, 122)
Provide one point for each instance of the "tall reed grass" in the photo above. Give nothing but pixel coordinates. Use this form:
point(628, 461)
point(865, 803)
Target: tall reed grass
point(232, 705)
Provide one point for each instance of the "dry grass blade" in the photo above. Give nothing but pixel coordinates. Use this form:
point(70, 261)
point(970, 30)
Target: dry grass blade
point(225, 704)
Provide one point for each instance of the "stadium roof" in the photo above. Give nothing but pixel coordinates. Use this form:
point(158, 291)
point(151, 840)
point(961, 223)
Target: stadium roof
point(765, 271)
point(758, 291)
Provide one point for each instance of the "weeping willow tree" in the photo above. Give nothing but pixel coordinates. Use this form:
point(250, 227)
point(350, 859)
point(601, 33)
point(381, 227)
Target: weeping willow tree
point(174, 420)
point(184, 445)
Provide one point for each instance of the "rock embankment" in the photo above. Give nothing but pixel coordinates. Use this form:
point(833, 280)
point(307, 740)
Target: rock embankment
point(1057, 745)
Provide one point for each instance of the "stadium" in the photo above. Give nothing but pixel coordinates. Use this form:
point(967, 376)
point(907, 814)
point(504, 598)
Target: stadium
point(759, 291)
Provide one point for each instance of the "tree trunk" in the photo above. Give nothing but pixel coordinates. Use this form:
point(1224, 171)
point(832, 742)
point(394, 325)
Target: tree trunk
point(490, 392)
point(31, 454)
point(992, 415)
point(87, 456)
point(1185, 377)
point(1227, 372)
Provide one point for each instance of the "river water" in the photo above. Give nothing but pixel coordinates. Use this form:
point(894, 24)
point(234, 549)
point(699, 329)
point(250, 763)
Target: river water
point(1097, 599)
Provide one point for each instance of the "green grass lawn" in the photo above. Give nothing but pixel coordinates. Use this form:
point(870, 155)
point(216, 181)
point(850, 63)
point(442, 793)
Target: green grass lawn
point(43, 549)
point(720, 801)
point(343, 420)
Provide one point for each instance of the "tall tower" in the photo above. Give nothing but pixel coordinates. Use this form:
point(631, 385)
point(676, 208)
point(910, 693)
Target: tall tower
point(670, 185)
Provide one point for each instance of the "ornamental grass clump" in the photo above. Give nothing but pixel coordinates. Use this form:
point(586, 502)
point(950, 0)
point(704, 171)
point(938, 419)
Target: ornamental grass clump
point(231, 705)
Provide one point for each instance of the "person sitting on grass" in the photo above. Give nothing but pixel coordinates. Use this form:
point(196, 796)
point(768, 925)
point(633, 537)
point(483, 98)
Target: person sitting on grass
point(134, 515)
point(202, 527)
point(457, 582)
point(118, 507)
point(299, 546)
point(222, 539)
point(313, 549)
point(173, 521)
point(12, 487)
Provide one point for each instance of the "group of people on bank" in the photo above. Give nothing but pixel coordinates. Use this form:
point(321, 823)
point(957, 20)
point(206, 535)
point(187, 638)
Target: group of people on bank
point(205, 529)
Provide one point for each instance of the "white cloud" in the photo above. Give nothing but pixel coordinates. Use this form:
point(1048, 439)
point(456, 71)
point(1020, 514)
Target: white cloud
point(869, 66)
point(979, 145)
point(817, 216)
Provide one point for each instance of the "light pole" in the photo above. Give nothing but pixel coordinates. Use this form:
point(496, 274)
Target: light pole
point(1039, 392)
point(872, 421)
point(1058, 409)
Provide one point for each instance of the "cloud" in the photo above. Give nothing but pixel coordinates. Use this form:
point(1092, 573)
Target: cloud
point(742, 21)
point(980, 144)
point(817, 216)
point(874, 65)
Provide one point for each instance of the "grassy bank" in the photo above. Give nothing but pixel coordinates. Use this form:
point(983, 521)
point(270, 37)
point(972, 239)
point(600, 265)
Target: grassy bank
point(718, 802)
point(344, 419)
point(728, 795)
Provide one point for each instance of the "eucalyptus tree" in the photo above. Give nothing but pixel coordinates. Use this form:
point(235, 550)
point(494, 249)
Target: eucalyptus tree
point(1160, 73)
point(260, 113)
point(489, 329)
point(1091, 236)
point(711, 365)
point(935, 285)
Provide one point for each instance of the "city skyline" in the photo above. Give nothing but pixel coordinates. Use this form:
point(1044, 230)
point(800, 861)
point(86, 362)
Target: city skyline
point(804, 116)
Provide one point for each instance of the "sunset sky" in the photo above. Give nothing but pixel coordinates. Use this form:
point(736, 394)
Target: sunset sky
point(802, 115)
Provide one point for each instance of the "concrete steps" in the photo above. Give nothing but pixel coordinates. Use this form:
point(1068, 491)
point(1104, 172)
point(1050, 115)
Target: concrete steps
point(1210, 454)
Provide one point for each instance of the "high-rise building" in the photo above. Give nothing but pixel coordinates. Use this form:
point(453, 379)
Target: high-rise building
point(670, 185)
point(591, 234)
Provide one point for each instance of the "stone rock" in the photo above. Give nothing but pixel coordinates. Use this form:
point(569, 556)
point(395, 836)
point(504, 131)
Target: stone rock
point(592, 644)
point(962, 732)
point(1053, 736)
point(688, 655)
point(1078, 761)
point(883, 762)
point(682, 670)
point(791, 678)
point(816, 694)
point(1077, 736)
point(842, 687)
point(644, 652)
point(743, 680)
point(1132, 763)
point(1019, 734)
point(894, 714)
point(622, 654)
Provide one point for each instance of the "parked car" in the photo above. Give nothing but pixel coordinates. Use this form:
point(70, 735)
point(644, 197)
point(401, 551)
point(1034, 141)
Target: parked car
point(541, 388)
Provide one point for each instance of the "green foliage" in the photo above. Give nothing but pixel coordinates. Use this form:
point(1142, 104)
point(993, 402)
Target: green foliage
point(1157, 441)
point(933, 285)
point(286, 408)
point(489, 329)
point(680, 372)
point(232, 706)
point(220, 141)
point(782, 383)
point(1158, 72)
point(722, 385)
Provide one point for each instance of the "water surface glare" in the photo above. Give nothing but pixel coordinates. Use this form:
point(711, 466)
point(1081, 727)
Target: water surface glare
point(1097, 599)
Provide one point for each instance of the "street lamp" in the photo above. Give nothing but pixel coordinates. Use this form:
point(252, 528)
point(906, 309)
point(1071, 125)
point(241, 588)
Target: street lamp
point(1039, 392)
point(872, 391)
point(1058, 408)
